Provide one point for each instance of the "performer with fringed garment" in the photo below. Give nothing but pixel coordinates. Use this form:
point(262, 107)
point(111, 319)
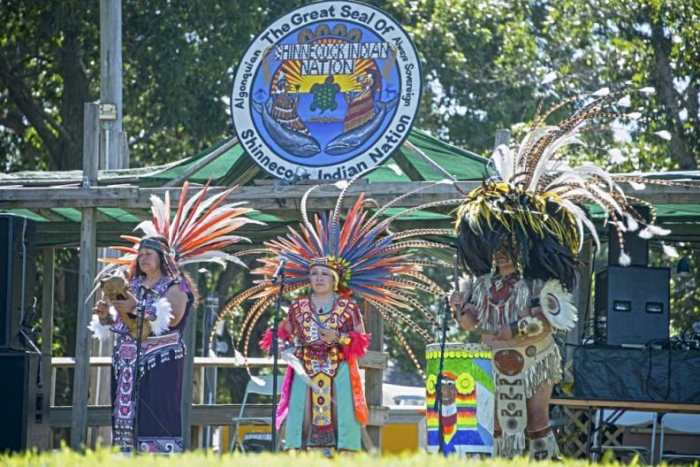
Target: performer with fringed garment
point(518, 236)
point(151, 298)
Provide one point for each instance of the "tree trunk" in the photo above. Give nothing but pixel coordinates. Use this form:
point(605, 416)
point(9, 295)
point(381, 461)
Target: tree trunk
point(680, 146)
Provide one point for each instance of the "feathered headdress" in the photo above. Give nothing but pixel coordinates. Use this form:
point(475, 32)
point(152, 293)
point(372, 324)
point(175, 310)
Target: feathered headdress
point(371, 262)
point(534, 204)
point(198, 231)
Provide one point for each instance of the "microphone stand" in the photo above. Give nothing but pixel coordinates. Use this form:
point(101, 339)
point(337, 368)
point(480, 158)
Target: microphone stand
point(275, 359)
point(438, 386)
point(140, 316)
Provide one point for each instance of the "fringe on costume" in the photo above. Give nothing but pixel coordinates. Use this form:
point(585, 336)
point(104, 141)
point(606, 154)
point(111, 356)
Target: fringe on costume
point(490, 317)
point(509, 445)
point(544, 448)
point(545, 369)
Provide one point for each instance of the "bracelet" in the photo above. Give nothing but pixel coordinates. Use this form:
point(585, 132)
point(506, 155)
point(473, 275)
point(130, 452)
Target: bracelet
point(106, 321)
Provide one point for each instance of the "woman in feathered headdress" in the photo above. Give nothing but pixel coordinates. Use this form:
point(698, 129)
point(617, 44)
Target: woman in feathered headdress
point(342, 261)
point(151, 303)
point(518, 235)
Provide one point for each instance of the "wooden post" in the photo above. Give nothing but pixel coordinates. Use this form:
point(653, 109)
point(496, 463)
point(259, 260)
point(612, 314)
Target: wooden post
point(47, 340)
point(81, 378)
point(374, 377)
point(112, 156)
point(189, 337)
point(111, 81)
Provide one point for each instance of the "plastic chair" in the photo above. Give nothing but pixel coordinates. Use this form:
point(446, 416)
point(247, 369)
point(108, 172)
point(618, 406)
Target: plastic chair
point(627, 419)
point(261, 385)
point(681, 423)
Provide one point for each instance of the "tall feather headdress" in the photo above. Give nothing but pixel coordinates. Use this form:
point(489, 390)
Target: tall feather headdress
point(535, 204)
point(198, 231)
point(372, 263)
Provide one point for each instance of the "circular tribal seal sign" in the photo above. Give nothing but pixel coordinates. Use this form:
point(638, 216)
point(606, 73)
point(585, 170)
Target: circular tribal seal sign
point(326, 91)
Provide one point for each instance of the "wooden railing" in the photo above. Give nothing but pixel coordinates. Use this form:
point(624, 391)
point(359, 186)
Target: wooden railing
point(221, 414)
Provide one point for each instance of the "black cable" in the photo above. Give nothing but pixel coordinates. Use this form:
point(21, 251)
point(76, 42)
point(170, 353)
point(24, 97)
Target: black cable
point(650, 346)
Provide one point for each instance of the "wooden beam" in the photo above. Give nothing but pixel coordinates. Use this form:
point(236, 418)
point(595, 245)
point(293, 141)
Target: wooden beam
point(202, 414)
point(373, 359)
point(275, 198)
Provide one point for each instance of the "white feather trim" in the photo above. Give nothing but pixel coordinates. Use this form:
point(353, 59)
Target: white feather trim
point(664, 134)
point(99, 331)
point(648, 90)
point(636, 185)
point(632, 224)
point(147, 228)
point(624, 102)
point(164, 313)
point(557, 307)
point(657, 231)
point(601, 92)
point(158, 209)
point(670, 251)
point(645, 234)
point(624, 259)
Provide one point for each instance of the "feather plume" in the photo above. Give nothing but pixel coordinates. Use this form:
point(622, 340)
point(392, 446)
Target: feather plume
point(624, 259)
point(535, 202)
point(669, 251)
point(371, 262)
point(200, 229)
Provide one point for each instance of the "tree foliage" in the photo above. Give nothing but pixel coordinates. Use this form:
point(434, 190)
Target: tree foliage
point(484, 62)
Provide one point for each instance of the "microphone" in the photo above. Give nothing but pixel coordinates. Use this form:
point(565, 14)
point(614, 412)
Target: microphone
point(148, 291)
point(280, 269)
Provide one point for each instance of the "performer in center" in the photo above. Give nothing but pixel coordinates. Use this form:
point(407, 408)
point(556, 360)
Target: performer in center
point(328, 335)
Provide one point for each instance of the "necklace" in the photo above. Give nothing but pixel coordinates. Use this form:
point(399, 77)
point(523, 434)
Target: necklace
point(320, 306)
point(498, 284)
point(150, 283)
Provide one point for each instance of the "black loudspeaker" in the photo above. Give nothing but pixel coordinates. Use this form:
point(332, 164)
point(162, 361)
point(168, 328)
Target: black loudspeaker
point(631, 305)
point(17, 276)
point(24, 423)
point(636, 247)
